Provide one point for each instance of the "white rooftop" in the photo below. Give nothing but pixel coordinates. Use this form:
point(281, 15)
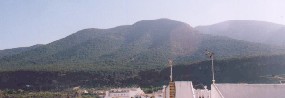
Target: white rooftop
point(248, 90)
point(184, 89)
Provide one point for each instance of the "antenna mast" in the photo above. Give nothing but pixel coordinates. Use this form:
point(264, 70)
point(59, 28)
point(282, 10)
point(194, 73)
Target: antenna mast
point(170, 64)
point(211, 55)
point(172, 90)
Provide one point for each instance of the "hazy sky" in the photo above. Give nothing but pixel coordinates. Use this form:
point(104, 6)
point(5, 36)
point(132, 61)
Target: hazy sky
point(29, 22)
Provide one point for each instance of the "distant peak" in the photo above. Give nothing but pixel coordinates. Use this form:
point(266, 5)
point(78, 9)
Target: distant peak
point(160, 22)
point(249, 22)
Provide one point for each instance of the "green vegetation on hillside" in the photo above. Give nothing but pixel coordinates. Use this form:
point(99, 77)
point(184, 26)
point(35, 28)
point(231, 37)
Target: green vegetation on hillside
point(137, 55)
point(15, 51)
point(142, 46)
point(261, 69)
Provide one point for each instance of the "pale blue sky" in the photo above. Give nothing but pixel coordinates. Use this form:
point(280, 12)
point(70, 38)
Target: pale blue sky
point(29, 22)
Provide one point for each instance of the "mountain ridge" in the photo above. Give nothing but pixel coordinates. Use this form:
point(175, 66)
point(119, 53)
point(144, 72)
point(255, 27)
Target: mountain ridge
point(144, 45)
point(14, 51)
point(137, 55)
point(248, 30)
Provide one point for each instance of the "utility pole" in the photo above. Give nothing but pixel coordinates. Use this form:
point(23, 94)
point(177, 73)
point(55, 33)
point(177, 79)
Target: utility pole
point(172, 90)
point(211, 55)
point(170, 64)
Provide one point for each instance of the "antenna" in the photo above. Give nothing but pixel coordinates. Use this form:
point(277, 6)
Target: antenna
point(171, 83)
point(210, 54)
point(170, 64)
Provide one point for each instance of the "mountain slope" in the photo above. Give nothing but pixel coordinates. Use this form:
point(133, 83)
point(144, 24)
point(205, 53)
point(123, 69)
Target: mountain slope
point(147, 44)
point(10, 52)
point(248, 30)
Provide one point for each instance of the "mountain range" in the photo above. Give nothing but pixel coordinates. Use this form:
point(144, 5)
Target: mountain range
point(137, 54)
point(146, 44)
point(248, 30)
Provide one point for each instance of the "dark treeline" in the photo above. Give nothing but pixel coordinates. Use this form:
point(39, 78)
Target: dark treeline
point(239, 70)
point(45, 80)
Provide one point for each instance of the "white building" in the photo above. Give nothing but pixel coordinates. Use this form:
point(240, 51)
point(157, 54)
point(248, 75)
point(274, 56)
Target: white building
point(202, 93)
point(124, 93)
point(183, 89)
point(247, 91)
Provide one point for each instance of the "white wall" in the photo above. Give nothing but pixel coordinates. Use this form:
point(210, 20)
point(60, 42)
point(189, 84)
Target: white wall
point(215, 92)
point(184, 89)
